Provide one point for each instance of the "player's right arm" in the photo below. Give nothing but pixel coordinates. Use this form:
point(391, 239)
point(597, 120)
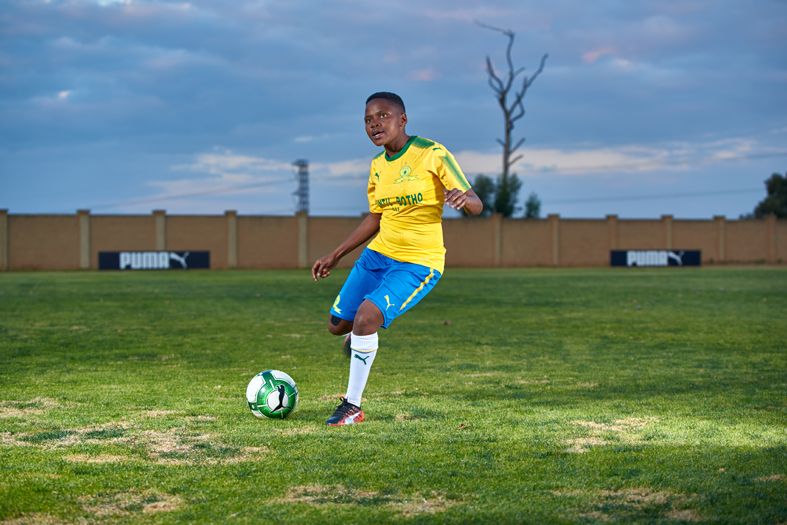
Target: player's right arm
point(371, 225)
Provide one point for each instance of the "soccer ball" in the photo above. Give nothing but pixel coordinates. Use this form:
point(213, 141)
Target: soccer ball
point(272, 394)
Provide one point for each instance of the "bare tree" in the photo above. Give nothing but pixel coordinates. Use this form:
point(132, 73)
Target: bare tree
point(514, 110)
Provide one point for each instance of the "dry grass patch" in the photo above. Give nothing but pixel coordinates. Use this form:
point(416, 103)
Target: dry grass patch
point(102, 458)
point(34, 519)
point(485, 374)
point(338, 495)
point(437, 502)
point(684, 515)
point(130, 502)
point(587, 385)
point(533, 381)
point(294, 430)
point(202, 418)
point(775, 477)
point(28, 475)
point(628, 504)
point(638, 497)
point(8, 439)
point(106, 433)
point(595, 516)
point(582, 445)
point(246, 454)
point(620, 425)
point(622, 430)
point(171, 447)
point(157, 413)
point(168, 445)
point(24, 409)
point(325, 495)
point(331, 396)
point(21, 413)
point(406, 417)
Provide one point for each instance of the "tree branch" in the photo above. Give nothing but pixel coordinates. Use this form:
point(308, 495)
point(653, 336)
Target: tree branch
point(521, 112)
point(521, 141)
point(502, 85)
point(491, 70)
point(538, 71)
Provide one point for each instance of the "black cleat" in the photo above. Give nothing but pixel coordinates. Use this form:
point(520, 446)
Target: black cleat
point(345, 414)
point(348, 352)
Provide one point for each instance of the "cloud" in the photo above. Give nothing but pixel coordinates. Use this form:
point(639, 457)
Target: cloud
point(287, 80)
point(358, 168)
point(592, 56)
point(227, 163)
point(623, 159)
point(423, 75)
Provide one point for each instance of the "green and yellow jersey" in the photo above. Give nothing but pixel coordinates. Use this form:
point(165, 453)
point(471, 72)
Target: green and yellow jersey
point(407, 189)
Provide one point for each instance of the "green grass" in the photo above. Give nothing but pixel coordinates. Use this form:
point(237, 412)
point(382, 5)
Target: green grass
point(552, 396)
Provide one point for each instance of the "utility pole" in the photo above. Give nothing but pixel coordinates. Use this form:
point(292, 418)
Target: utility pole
point(302, 193)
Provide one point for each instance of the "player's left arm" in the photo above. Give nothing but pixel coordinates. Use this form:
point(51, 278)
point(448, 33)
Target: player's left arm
point(458, 199)
point(460, 195)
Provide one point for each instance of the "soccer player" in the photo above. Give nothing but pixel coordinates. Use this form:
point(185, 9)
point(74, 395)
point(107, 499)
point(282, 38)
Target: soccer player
point(409, 182)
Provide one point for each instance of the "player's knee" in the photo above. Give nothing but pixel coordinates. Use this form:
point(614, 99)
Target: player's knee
point(367, 321)
point(338, 326)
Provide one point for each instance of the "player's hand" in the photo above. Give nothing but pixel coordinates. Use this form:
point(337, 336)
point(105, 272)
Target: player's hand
point(455, 198)
point(322, 267)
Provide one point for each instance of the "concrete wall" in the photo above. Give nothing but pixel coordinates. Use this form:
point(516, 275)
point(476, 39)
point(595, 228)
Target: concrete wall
point(526, 242)
point(116, 233)
point(69, 242)
point(43, 242)
point(267, 242)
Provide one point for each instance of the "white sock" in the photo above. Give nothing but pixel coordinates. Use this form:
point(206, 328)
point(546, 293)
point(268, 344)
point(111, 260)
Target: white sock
point(364, 348)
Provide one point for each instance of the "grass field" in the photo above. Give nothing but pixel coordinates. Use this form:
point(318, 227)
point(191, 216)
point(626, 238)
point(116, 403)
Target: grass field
point(506, 396)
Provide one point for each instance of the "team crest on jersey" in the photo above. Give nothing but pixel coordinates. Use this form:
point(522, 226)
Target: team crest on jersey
point(405, 174)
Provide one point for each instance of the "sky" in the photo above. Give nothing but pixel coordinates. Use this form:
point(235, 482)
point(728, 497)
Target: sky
point(643, 108)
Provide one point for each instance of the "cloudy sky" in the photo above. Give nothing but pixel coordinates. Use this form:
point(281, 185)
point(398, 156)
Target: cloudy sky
point(643, 108)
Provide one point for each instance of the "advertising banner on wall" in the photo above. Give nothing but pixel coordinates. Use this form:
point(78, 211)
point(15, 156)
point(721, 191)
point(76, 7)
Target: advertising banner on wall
point(153, 260)
point(655, 258)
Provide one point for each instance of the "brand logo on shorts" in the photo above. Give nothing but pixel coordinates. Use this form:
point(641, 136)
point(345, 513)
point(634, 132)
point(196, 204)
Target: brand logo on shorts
point(389, 303)
point(336, 304)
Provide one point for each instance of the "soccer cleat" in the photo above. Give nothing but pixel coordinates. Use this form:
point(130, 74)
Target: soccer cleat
point(345, 414)
point(347, 350)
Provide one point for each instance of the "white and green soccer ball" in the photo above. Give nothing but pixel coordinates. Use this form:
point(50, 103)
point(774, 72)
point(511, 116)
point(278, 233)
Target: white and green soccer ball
point(272, 394)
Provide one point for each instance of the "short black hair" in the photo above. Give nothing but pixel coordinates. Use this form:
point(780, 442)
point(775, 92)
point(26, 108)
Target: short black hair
point(391, 97)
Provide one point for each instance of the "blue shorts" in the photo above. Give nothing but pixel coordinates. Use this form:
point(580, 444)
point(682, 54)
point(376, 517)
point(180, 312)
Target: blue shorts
point(393, 286)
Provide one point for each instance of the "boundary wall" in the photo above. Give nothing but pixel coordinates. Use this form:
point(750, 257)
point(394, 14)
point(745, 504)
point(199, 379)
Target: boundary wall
point(70, 242)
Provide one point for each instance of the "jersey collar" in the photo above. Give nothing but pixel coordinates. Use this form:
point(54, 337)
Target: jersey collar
point(401, 151)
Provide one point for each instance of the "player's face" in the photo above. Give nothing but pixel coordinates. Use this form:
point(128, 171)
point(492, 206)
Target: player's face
point(385, 124)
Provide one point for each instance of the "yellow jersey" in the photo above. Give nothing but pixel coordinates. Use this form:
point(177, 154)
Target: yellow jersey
point(407, 189)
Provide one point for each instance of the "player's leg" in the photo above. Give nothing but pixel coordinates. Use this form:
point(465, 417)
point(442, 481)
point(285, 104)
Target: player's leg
point(363, 344)
point(364, 277)
point(339, 326)
point(404, 285)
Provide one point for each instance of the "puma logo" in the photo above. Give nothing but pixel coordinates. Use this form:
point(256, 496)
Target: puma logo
point(387, 300)
point(336, 304)
point(678, 257)
point(181, 260)
point(282, 392)
point(361, 358)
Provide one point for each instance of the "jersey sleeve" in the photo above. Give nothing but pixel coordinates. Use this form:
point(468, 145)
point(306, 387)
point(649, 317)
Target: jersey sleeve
point(373, 176)
point(446, 168)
